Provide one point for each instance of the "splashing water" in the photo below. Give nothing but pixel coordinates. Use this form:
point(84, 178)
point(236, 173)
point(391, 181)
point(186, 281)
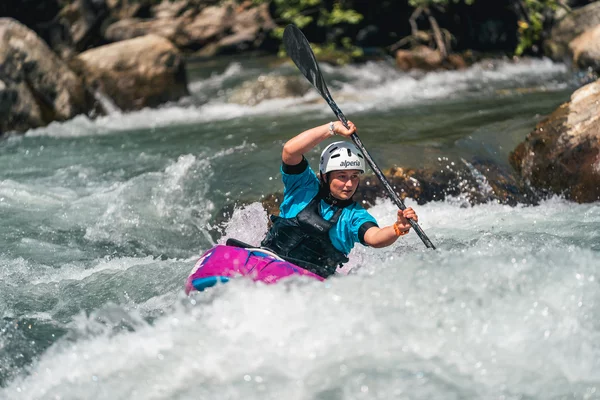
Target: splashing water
point(103, 220)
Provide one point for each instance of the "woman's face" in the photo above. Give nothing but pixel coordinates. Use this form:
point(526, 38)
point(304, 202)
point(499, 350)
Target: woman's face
point(343, 184)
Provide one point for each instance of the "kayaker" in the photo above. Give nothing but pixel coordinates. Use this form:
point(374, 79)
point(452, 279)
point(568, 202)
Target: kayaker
point(318, 221)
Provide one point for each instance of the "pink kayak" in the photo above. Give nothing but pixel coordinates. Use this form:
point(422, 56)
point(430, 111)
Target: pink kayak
point(221, 263)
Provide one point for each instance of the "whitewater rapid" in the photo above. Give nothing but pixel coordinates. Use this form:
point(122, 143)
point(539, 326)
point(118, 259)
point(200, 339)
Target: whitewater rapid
point(102, 221)
point(506, 307)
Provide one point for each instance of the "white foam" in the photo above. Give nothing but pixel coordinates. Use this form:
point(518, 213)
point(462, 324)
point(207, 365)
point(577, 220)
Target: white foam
point(26, 195)
point(162, 200)
point(216, 80)
point(506, 306)
point(370, 86)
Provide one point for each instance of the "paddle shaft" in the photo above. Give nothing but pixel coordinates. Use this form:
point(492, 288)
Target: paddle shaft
point(399, 203)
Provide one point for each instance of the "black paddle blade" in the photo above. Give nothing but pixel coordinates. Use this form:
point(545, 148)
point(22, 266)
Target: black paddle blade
point(297, 47)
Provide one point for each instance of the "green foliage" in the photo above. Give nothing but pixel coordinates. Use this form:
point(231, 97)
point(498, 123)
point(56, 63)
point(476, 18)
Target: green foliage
point(297, 12)
point(304, 12)
point(339, 16)
point(436, 3)
point(322, 13)
point(532, 19)
point(531, 23)
point(533, 14)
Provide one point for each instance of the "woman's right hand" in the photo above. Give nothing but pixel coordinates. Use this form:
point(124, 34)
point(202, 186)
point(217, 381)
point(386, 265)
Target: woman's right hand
point(340, 129)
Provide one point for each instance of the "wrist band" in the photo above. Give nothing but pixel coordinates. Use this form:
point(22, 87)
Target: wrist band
point(331, 131)
point(398, 231)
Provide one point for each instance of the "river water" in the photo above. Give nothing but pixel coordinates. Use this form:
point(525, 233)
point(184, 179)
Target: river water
point(102, 220)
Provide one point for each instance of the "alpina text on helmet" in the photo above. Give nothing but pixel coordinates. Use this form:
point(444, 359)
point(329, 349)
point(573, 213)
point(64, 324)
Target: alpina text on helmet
point(347, 163)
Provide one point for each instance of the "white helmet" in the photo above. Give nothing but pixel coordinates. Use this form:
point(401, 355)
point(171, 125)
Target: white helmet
point(341, 156)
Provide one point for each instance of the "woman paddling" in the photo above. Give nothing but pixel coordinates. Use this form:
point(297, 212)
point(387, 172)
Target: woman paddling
point(319, 222)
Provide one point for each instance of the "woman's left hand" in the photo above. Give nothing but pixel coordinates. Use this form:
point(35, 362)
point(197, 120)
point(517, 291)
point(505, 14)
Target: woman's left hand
point(403, 217)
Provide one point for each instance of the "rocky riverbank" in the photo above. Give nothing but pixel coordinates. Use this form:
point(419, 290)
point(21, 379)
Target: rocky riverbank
point(132, 51)
point(57, 61)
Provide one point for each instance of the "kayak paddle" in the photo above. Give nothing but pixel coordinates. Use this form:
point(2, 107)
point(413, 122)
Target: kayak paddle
point(299, 50)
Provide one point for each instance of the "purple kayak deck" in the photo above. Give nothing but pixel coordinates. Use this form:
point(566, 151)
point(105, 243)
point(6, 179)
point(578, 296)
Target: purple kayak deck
point(221, 263)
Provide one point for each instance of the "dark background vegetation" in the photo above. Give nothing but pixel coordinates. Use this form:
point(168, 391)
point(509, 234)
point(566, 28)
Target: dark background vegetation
point(505, 26)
